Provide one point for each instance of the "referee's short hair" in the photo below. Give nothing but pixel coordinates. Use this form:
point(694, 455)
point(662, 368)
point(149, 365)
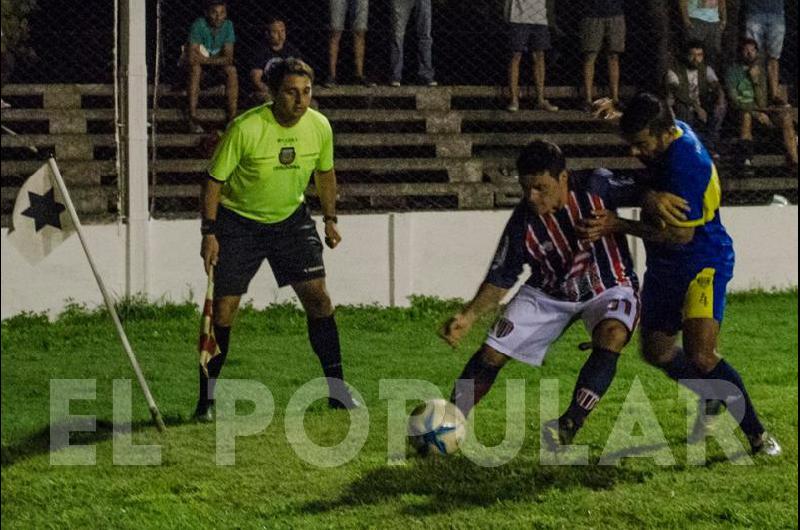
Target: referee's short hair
point(646, 111)
point(539, 157)
point(278, 69)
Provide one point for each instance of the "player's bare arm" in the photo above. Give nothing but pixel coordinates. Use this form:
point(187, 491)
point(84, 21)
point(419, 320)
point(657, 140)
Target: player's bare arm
point(485, 300)
point(325, 182)
point(209, 249)
point(669, 208)
point(606, 222)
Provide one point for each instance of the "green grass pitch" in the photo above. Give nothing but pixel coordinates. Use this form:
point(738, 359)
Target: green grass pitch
point(271, 487)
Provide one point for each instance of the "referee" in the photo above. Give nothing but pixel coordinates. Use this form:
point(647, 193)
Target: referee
point(253, 208)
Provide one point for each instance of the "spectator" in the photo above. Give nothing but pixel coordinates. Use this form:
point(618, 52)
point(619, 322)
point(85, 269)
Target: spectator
point(401, 13)
point(765, 23)
point(275, 47)
point(528, 29)
point(358, 10)
point(705, 21)
point(603, 22)
point(747, 91)
point(210, 46)
point(696, 95)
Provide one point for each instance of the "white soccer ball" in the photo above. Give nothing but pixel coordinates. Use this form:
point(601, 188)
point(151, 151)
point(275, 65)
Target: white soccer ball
point(436, 427)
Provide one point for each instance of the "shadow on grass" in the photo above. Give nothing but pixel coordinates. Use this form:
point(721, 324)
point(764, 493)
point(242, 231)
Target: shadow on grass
point(80, 434)
point(453, 483)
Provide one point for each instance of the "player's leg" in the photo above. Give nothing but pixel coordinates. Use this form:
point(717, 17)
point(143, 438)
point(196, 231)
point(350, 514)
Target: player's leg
point(703, 309)
point(530, 323)
point(611, 319)
point(482, 369)
point(225, 309)
point(231, 90)
point(662, 303)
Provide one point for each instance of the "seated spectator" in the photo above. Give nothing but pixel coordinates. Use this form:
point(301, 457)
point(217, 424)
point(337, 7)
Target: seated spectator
point(529, 30)
point(765, 23)
point(401, 14)
point(747, 92)
point(704, 21)
point(696, 95)
point(359, 11)
point(210, 49)
point(603, 22)
point(276, 46)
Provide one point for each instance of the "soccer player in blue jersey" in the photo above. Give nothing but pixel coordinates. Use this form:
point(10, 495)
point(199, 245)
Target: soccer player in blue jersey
point(570, 279)
point(690, 260)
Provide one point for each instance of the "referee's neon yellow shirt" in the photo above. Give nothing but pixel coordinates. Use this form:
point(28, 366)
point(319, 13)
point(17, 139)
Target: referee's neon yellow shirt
point(266, 167)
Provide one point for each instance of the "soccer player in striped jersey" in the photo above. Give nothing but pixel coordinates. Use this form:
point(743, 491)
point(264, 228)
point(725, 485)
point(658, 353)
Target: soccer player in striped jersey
point(570, 279)
point(689, 263)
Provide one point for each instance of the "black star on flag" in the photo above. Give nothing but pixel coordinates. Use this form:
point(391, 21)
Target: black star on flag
point(44, 210)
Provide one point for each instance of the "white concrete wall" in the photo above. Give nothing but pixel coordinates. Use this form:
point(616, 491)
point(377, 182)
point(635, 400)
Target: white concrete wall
point(383, 259)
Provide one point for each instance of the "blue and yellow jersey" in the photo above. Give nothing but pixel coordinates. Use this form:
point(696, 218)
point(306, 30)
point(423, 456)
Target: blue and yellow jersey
point(688, 171)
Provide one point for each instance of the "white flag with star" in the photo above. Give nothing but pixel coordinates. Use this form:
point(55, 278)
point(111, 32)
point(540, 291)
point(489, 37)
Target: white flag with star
point(40, 221)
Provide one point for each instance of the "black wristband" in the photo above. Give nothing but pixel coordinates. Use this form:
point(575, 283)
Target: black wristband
point(326, 218)
point(208, 227)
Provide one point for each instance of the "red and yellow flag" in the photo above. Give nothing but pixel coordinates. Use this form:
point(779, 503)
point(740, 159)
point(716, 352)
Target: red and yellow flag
point(207, 345)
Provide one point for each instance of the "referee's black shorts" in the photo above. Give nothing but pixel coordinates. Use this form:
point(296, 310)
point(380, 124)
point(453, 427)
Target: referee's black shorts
point(292, 247)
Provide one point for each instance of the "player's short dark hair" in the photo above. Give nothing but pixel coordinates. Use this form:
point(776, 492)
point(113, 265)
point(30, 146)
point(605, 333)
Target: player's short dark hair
point(747, 40)
point(539, 157)
point(646, 111)
point(694, 44)
point(278, 69)
point(213, 3)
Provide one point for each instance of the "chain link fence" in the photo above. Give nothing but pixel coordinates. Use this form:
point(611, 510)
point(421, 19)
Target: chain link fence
point(397, 147)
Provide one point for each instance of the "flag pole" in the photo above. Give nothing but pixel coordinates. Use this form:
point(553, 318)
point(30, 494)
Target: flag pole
point(106, 297)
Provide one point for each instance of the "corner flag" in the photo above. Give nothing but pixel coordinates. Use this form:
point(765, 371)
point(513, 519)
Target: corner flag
point(40, 221)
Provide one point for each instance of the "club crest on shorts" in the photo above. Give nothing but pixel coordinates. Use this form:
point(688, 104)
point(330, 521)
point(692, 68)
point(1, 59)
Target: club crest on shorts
point(286, 156)
point(503, 327)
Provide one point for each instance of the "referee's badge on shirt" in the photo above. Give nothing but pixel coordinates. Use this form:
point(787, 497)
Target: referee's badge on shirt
point(286, 155)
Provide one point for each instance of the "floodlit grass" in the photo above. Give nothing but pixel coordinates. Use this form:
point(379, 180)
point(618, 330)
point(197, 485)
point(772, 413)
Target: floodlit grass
point(270, 486)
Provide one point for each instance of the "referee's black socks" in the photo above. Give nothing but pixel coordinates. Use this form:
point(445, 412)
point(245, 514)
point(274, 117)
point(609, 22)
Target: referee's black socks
point(593, 381)
point(324, 337)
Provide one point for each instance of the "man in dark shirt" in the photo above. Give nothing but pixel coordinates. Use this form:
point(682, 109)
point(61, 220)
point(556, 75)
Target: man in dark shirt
point(276, 46)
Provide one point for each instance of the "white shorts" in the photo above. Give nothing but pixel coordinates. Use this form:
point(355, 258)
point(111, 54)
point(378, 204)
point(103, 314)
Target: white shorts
point(533, 320)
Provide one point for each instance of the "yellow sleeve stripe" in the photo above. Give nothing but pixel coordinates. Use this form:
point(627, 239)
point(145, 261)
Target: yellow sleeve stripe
point(711, 201)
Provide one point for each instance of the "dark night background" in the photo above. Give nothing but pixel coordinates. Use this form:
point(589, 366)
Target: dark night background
point(73, 40)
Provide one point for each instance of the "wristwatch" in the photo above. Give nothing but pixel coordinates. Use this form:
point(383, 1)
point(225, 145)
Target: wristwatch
point(326, 218)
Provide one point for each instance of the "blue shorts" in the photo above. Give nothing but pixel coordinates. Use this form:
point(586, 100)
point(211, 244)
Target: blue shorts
point(669, 299)
point(533, 37)
point(768, 30)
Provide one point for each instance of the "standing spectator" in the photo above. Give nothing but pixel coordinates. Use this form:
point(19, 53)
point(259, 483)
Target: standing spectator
point(401, 13)
point(603, 22)
point(747, 91)
point(695, 93)
point(210, 46)
point(254, 208)
point(358, 10)
point(705, 21)
point(528, 30)
point(275, 47)
point(765, 23)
